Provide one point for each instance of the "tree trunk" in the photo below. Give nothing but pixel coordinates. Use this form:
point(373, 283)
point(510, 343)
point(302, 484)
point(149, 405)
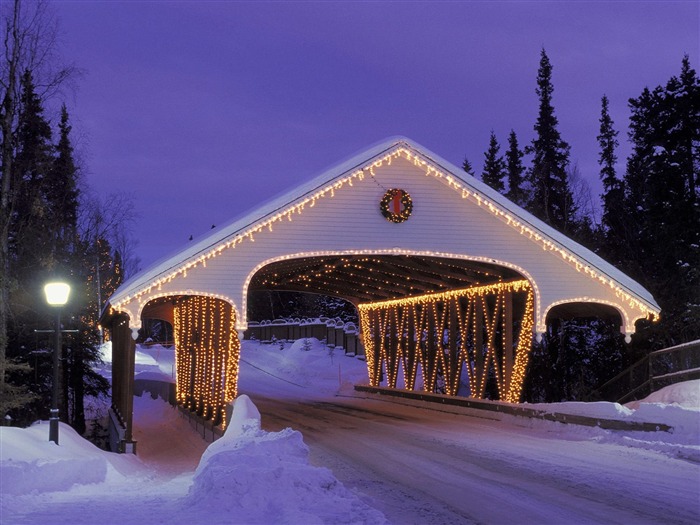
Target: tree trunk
point(6, 200)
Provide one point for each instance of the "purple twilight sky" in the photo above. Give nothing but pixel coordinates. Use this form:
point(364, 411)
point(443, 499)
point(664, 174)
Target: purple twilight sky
point(204, 109)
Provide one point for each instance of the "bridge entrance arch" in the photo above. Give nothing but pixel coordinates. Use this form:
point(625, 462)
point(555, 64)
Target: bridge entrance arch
point(448, 276)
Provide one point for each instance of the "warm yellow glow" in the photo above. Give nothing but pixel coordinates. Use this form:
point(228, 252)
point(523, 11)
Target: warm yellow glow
point(374, 253)
point(264, 226)
point(450, 331)
point(207, 354)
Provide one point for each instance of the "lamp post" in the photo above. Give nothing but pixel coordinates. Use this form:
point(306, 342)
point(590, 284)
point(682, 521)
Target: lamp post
point(57, 296)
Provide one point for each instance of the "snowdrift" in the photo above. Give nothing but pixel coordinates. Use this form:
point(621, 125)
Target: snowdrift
point(265, 477)
point(29, 462)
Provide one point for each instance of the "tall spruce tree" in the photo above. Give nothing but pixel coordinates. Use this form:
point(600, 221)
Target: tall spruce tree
point(467, 167)
point(28, 42)
point(551, 199)
point(62, 186)
point(33, 163)
point(613, 192)
point(82, 352)
point(31, 251)
point(515, 171)
point(662, 204)
point(494, 171)
point(46, 244)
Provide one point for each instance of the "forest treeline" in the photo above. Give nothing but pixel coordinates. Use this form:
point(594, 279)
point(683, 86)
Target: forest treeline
point(51, 226)
point(650, 225)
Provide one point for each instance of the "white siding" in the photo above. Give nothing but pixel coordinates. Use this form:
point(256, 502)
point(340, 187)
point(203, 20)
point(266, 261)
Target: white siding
point(442, 222)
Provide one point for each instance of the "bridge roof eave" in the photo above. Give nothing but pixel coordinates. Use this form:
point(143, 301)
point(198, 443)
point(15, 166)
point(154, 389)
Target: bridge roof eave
point(197, 251)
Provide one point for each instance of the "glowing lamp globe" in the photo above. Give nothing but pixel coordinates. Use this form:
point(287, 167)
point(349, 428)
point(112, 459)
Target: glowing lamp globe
point(57, 293)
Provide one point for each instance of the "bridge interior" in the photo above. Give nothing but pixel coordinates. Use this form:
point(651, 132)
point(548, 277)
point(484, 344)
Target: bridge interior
point(371, 278)
point(489, 321)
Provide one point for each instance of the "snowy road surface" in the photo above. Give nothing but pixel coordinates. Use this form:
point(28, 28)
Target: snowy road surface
point(417, 466)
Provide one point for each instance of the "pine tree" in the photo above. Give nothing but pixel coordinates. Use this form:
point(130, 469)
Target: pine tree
point(612, 186)
point(28, 43)
point(467, 167)
point(494, 166)
point(33, 164)
point(31, 252)
point(82, 354)
point(46, 243)
point(551, 198)
point(662, 204)
point(61, 187)
point(515, 171)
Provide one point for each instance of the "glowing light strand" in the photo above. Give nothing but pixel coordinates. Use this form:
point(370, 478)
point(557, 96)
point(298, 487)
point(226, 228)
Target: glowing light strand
point(400, 151)
point(207, 353)
point(434, 321)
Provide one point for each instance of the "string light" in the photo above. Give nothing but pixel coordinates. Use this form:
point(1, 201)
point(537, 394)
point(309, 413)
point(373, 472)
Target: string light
point(207, 350)
point(419, 325)
point(202, 387)
point(401, 150)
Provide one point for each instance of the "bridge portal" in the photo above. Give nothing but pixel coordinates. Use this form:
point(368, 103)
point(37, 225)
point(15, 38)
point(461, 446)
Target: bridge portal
point(450, 279)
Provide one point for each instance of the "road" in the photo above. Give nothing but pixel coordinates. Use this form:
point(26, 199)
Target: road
point(419, 466)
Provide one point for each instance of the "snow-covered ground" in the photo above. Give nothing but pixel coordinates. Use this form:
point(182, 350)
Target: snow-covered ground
point(262, 471)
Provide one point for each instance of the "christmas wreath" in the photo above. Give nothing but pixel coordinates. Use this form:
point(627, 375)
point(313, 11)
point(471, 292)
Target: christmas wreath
point(396, 205)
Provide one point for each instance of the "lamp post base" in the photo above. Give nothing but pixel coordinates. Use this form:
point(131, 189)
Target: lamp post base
point(53, 426)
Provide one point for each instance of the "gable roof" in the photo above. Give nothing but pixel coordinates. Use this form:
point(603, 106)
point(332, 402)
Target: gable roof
point(294, 200)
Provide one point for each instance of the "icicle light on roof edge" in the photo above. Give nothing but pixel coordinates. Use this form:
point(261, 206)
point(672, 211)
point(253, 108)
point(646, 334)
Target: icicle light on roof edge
point(430, 170)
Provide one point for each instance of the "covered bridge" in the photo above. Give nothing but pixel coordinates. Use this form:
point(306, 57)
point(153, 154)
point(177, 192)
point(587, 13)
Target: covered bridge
point(448, 276)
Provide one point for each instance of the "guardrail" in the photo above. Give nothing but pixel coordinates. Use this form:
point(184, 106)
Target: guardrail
point(334, 332)
point(513, 409)
point(653, 372)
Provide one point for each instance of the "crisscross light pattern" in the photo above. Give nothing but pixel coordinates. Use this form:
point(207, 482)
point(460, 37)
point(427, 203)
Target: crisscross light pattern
point(467, 334)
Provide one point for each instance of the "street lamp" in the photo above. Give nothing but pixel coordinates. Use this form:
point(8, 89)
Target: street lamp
point(57, 296)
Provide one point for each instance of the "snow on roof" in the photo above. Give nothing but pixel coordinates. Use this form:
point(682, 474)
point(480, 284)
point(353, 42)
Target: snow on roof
point(198, 248)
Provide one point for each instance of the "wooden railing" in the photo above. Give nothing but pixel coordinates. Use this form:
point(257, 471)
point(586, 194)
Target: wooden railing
point(653, 372)
point(334, 332)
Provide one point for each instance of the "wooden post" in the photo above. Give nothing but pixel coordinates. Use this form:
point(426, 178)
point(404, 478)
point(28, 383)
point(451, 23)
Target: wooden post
point(391, 352)
point(410, 358)
point(429, 359)
point(455, 368)
point(375, 380)
point(480, 373)
point(507, 338)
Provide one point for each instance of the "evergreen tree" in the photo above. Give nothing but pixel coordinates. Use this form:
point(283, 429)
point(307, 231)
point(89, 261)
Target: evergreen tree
point(46, 243)
point(551, 198)
point(467, 166)
point(61, 188)
point(515, 171)
point(33, 164)
point(613, 217)
point(28, 40)
point(494, 166)
point(575, 358)
point(31, 252)
point(82, 354)
point(662, 204)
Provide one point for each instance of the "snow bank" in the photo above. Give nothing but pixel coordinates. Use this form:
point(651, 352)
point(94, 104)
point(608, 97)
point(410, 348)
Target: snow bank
point(676, 405)
point(685, 395)
point(265, 477)
point(30, 463)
